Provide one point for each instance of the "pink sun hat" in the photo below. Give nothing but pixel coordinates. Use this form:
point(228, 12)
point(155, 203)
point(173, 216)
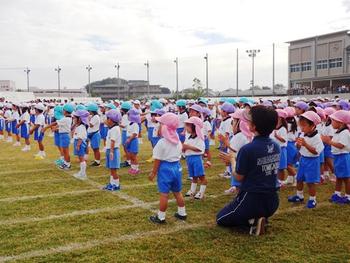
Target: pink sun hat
point(198, 123)
point(341, 116)
point(290, 111)
point(312, 116)
point(238, 114)
point(282, 113)
point(329, 111)
point(321, 113)
point(170, 122)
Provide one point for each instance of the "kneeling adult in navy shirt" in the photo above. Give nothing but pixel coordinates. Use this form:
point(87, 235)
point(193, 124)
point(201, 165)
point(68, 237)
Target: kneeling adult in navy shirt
point(256, 169)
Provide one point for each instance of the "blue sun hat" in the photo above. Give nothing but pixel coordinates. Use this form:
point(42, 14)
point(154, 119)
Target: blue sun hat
point(92, 107)
point(203, 100)
point(222, 100)
point(181, 103)
point(231, 100)
point(243, 100)
point(126, 106)
point(156, 104)
point(228, 107)
point(68, 107)
point(111, 106)
point(80, 107)
point(58, 112)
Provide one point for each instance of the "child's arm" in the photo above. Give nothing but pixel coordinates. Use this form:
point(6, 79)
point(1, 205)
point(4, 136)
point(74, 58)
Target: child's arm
point(36, 126)
point(111, 153)
point(133, 136)
point(20, 124)
point(281, 139)
point(190, 147)
point(80, 141)
point(310, 148)
point(154, 172)
point(49, 126)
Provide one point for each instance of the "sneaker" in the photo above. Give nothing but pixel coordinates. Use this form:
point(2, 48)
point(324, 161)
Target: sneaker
point(311, 204)
point(189, 178)
point(43, 154)
point(125, 164)
point(335, 198)
point(258, 227)
point(111, 187)
point(25, 149)
point(16, 144)
point(180, 217)
point(226, 175)
point(133, 171)
point(59, 162)
point(207, 164)
point(64, 166)
point(155, 219)
point(232, 190)
point(343, 201)
point(189, 194)
point(96, 164)
point(39, 157)
point(9, 139)
point(199, 196)
point(295, 199)
point(80, 176)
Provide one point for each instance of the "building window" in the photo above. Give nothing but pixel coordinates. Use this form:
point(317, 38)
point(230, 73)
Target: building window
point(335, 63)
point(322, 64)
point(306, 66)
point(294, 67)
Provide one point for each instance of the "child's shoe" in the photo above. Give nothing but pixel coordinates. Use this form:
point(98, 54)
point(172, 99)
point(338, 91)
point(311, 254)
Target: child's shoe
point(295, 199)
point(311, 204)
point(258, 227)
point(226, 175)
point(155, 219)
point(335, 198)
point(111, 187)
point(80, 176)
point(133, 171)
point(207, 164)
point(232, 190)
point(199, 196)
point(64, 166)
point(96, 164)
point(343, 201)
point(16, 144)
point(189, 194)
point(180, 217)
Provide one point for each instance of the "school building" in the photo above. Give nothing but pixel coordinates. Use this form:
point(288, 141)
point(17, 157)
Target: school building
point(319, 64)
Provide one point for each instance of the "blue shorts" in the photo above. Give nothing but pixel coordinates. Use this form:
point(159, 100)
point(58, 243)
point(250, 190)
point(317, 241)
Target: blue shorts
point(182, 137)
point(342, 165)
point(32, 118)
point(8, 127)
point(56, 139)
point(322, 157)
point(140, 127)
point(124, 137)
point(82, 149)
point(38, 136)
point(103, 131)
point(64, 140)
point(328, 151)
point(25, 131)
point(309, 170)
point(150, 133)
point(95, 140)
point(206, 143)
point(292, 153)
point(169, 177)
point(133, 146)
point(115, 163)
point(13, 127)
point(283, 159)
point(195, 165)
point(2, 125)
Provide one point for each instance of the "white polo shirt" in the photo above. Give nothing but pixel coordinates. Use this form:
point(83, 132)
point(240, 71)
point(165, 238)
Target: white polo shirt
point(115, 135)
point(166, 151)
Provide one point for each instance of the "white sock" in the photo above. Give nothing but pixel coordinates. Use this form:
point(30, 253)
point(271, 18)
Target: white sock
point(67, 163)
point(228, 169)
point(193, 187)
point(300, 194)
point(347, 196)
point(114, 181)
point(83, 168)
point(202, 189)
point(338, 193)
point(62, 158)
point(326, 173)
point(313, 198)
point(161, 215)
point(98, 161)
point(181, 211)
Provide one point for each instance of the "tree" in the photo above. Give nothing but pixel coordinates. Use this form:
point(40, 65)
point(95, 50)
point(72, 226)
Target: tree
point(197, 88)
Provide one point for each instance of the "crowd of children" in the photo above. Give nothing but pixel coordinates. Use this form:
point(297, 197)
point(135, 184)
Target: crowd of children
point(308, 143)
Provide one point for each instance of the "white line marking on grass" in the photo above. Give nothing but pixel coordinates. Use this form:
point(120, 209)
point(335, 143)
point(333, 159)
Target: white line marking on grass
point(94, 243)
point(18, 183)
point(31, 197)
point(15, 172)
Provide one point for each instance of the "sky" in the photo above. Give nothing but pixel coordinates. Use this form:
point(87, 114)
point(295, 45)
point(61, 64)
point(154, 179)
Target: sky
point(43, 34)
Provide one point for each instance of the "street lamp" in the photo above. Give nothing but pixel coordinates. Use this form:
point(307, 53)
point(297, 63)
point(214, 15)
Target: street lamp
point(117, 66)
point(147, 66)
point(206, 73)
point(176, 61)
point(58, 70)
point(89, 68)
point(252, 53)
point(27, 70)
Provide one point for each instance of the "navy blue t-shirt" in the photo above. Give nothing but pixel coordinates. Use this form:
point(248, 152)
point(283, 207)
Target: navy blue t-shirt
point(258, 163)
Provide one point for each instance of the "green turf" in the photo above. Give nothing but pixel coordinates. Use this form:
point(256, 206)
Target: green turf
point(49, 216)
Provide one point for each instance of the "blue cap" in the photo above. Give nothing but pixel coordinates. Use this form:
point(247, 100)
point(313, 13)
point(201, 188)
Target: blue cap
point(126, 105)
point(92, 107)
point(181, 103)
point(68, 107)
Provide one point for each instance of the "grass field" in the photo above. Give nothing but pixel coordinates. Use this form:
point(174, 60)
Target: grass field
point(49, 216)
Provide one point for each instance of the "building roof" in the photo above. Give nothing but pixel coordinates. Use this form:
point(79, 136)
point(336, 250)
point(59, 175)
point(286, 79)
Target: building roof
point(324, 35)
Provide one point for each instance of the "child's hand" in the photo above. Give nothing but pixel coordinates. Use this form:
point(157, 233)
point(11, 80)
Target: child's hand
point(78, 148)
point(326, 139)
point(151, 176)
point(17, 126)
point(111, 155)
point(226, 158)
point(300, 142)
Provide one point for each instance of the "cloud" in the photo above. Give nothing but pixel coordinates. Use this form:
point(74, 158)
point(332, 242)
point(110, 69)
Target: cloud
point(100, 43)
point(212, 38)
point(346, 4)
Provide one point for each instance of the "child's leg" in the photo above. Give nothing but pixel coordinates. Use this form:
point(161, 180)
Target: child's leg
point(281, 174)
point(97, 154)
point(347, 187)
point(181, 210)
point(66, 154)
point(312, 191)
point(114, 180)
point(329, 164)
point(163, 205)
point(338, 184)
point(27, 141)
point(203, 186)
point(41, 146)
point(82, 165)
